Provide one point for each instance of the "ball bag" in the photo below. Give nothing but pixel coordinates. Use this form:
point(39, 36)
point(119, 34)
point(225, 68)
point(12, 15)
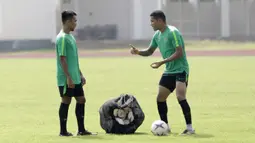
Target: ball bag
point(121, 115)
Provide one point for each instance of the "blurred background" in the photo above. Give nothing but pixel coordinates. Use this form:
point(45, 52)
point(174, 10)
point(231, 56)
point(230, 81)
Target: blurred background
point(33, 24)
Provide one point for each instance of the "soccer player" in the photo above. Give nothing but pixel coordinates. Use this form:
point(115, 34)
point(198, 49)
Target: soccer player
point(175, 77)
point(70, 79)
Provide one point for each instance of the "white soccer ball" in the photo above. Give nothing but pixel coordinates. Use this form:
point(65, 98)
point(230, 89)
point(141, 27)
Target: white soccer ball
point(159, 128)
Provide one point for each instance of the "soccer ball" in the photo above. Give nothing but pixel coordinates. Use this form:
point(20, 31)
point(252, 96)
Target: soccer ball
point(159, 128)
point(123, 116)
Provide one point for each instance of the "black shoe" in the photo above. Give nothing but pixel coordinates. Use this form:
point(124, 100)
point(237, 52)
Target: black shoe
point(66, 134)
point(85, 133)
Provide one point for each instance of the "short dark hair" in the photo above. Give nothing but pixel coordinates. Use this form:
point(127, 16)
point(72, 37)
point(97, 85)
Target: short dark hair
point(67, 15)
point(158, 14)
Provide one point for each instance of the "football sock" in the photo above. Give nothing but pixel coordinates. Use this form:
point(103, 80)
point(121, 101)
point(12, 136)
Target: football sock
point(189, 127)
point(186, 112)
point(79, 111)
point(162, 110)
point(63, 113)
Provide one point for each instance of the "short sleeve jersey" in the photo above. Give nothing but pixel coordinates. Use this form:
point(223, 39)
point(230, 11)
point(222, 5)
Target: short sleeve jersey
point(167, 42)
point(66, 46)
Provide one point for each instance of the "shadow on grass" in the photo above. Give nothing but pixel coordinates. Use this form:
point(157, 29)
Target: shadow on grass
point(197, 135)
point(104, 136)
point(203, 136)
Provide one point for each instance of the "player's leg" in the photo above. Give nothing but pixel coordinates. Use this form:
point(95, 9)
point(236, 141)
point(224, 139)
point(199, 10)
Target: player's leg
point(181, 89)
point(166, 86)
point(66, 96)
point(80, 109)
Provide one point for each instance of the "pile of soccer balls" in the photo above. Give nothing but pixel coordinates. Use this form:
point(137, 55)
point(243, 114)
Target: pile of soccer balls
point(123, 116)
point(159, 128)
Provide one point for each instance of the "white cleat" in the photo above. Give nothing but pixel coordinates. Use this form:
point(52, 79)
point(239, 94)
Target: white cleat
point(188, 132)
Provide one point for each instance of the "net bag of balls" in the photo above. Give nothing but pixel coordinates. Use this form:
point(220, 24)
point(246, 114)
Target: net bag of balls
point(121, 115)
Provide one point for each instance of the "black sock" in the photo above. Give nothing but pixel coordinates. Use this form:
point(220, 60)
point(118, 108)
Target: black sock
point(79, 110)
point(63, 113)
point(186, 111)
point(162, 110)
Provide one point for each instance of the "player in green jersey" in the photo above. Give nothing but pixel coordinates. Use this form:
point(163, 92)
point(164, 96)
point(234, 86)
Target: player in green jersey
point(172, 48)
point(69, 76)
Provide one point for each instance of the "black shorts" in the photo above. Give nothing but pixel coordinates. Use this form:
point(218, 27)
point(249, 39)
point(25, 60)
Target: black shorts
point(71, 92)
point(169, 80)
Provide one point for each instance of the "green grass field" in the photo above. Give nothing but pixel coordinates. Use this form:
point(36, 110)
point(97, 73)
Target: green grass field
point(221, 94)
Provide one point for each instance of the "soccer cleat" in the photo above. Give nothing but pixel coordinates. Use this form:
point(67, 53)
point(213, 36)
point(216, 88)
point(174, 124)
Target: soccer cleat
point(85, 133)
point(66, 134)
point(188, 132)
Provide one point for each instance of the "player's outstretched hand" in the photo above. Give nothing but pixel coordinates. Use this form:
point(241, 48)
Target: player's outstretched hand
point(156, 65)
point(133, 50)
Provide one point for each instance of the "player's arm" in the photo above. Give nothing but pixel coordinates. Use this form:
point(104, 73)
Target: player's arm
point(144, 52)
point(176, 55)
point(148, 51)
point(64, 65)
point(178, 49)
point(62, 45)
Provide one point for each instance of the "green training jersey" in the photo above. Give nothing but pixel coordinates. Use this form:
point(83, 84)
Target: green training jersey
point(66, 46)
point(167, 42)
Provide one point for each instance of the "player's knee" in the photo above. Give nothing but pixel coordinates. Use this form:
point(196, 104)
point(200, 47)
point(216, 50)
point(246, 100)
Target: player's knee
point(66, 100)
point(181, 91)
point(163, 94)
point(180, 98)
point(81, 100)
point(161, 98)
point(181, 94)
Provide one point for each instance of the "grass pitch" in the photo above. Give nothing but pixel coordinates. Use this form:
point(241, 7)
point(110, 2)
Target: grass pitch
point(221, 95)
